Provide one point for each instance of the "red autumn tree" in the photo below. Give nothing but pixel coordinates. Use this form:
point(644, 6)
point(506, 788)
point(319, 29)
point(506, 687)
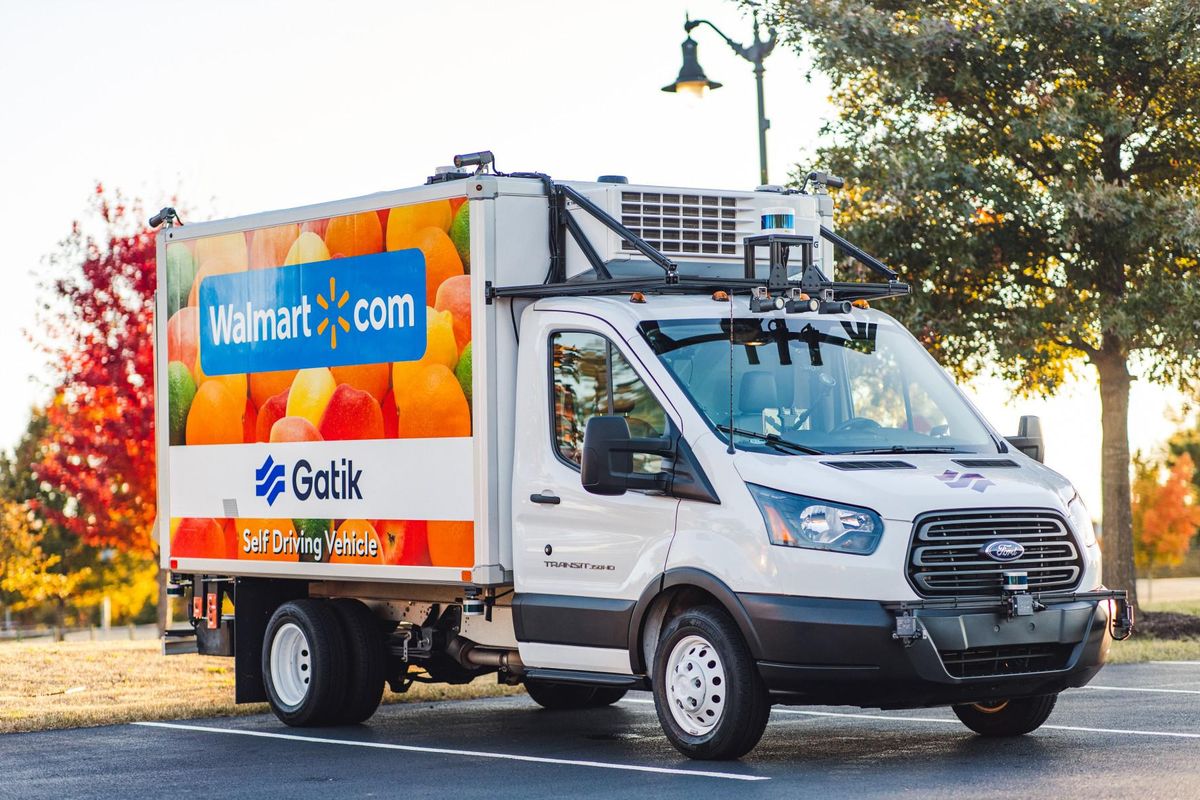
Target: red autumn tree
point(1165, 515)
point(97, 331)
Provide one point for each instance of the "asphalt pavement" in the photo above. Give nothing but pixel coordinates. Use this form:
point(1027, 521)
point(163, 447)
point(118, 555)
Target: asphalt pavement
point(1134, 733)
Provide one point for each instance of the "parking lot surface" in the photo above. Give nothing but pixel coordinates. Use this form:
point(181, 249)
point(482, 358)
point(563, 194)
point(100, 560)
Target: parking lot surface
point(1135, 732)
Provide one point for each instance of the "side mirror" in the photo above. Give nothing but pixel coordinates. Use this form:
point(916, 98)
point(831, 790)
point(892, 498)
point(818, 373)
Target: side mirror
point(608, 450)
point(1029, 438)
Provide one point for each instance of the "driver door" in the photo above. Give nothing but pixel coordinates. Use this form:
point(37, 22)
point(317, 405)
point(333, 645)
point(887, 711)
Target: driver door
point(581, 560)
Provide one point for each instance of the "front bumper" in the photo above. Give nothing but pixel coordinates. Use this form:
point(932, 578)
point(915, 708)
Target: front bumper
point(845, 652)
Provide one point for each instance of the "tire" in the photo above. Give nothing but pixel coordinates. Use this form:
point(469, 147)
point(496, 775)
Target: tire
point(606, 697)
point(304, 663)
point(364, 662)
point(724, 715)
point(1007, 717)
point(561, 696)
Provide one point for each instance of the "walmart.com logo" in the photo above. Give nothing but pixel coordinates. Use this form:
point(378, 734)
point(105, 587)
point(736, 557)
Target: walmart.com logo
point(271, 319)
point(268, 480)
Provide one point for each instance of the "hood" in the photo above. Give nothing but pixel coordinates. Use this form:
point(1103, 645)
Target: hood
point(932, 482)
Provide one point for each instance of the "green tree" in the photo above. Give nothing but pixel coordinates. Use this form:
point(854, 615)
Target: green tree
point(1033, 168)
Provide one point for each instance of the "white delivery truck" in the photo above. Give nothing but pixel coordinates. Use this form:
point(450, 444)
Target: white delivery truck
point(594, 437)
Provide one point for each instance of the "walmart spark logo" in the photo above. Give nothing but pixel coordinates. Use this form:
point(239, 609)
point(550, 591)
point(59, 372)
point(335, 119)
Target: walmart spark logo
point(339, 320)
point(276, 319)
point(268, 480)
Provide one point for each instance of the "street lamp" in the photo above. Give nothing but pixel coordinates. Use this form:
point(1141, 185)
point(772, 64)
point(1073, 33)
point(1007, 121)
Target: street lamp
point(693, 81)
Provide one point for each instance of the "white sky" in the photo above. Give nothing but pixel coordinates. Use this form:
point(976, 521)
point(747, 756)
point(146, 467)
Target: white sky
point(248, 106)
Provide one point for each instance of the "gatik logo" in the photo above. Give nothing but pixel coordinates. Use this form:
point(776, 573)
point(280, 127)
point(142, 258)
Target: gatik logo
point(338, 481)
point(268, 480)
point(963, 480)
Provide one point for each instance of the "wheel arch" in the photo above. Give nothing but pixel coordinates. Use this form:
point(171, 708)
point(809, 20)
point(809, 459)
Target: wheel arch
point(680, 588)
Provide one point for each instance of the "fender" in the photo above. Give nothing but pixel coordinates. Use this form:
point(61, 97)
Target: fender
point(698, 578)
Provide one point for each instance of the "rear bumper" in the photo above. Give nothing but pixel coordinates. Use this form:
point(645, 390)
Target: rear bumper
point(843, 652)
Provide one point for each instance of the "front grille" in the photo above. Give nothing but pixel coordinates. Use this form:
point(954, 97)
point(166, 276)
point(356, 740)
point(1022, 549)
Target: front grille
point(688, 224)
point(945, 557)
point(983, 662)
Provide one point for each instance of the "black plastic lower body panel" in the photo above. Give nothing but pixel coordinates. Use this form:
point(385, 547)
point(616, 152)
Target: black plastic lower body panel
point(842, 652)
point(572, 620)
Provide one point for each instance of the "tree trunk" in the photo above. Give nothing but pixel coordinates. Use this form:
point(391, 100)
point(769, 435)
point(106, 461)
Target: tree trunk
point(1117, 517)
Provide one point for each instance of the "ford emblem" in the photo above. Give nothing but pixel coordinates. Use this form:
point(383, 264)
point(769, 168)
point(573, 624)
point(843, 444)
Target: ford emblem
point(1003, 550)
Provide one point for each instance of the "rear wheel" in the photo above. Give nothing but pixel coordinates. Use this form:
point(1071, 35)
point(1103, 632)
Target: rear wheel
point(304, 663)
point(561, 696)
point(711, 701)
point(364, 662)
point(1006, 717)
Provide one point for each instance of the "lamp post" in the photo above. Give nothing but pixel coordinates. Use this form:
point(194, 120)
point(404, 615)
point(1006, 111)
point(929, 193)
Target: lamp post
point(693, 81)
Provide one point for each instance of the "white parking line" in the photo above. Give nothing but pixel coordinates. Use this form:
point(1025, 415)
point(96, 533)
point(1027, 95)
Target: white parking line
point(732, 776)
point(1140, 689)
point(1178, 663)
point(939, 720)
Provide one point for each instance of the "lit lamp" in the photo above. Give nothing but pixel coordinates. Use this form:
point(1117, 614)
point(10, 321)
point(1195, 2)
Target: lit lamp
point(691, 81)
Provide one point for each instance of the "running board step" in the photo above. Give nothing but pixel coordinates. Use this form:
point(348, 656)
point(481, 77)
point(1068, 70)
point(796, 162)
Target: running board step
point(605, 679)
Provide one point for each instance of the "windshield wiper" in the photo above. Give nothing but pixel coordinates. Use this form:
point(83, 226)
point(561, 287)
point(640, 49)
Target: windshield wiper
point(899, 448)
point(774, 440)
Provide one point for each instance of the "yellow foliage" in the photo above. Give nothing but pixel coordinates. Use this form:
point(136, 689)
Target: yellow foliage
point(128, 579)
point(26, 571)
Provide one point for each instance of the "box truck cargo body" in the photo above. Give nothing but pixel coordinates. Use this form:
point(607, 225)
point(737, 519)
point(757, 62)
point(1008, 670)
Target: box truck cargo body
point(595, 437)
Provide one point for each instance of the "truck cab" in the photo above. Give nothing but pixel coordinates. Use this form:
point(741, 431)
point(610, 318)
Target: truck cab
point(694, 464)
point(836, 480)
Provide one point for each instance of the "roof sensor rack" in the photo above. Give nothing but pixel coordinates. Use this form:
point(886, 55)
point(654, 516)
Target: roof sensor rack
point(813, 292)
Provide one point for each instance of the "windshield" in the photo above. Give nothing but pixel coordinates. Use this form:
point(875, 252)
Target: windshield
point(833, 386)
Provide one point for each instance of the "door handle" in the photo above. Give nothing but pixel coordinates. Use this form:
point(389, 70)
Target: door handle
point(545, 498)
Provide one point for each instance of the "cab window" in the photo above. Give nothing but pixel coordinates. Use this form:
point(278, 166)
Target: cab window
point(591, 378)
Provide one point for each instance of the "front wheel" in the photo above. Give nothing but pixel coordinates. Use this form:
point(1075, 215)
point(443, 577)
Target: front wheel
point(1006, 717)
point(711, 701)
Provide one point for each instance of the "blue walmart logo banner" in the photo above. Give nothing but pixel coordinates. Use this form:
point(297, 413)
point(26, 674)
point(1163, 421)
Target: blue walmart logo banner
point(361, 310)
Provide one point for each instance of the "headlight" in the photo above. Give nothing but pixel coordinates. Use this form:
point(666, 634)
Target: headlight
point(797, 521)
point(1081, 521)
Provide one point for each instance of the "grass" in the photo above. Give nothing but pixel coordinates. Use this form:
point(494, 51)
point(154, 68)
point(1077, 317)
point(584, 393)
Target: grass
point(1144, 648)
point(1178, 606)
point(79, 684)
